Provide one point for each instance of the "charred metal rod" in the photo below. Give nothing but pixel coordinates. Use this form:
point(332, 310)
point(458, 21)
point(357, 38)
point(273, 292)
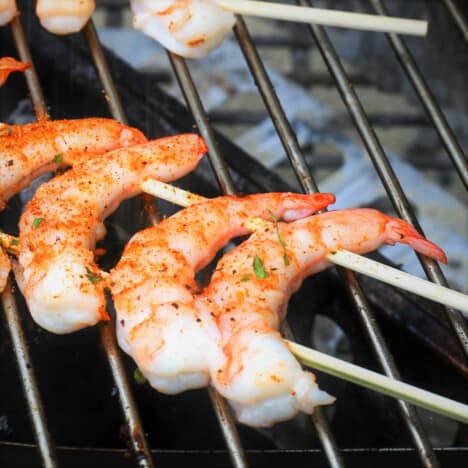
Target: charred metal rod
point(28, 378)
point(294, 152)
point(137, 436)
point(382, 165)
point(457, 17)
point(236, 451)
point(438, 119)
point(32, 79)
point(39, 421)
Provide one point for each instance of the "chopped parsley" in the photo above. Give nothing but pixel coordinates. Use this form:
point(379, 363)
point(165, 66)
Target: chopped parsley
point(5, 131)
point(280, 239)
point(14, 242)
point(58, 158)
point(138, 376)
point(93, 277)
point(245, 278)
point(37, 222)
point(259, 268)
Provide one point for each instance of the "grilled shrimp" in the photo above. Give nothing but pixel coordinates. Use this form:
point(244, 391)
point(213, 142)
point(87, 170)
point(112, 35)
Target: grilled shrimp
point(55, 270)
point(190, 28)
point(8, 11)
point(9, 65)
point(27, 151)
point(251, 287)
point(64, 17)
point(159, 322)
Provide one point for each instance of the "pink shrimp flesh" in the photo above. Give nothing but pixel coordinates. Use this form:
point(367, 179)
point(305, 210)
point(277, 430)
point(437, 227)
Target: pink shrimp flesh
point(56, 272)
point(153, 285)
point(27, 151)
point(251, 287)
point(8, 11)
point(9, 65)
point(190, 28)
point(64, 17)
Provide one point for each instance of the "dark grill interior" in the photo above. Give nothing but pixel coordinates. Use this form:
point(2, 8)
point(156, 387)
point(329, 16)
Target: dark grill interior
point(83, 396)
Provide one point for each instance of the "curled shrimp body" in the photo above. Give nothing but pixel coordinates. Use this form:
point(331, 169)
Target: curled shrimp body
point(62, 285)
point(27, 151)
point(258, 374)
point(64, 17)
point(159, 321)
point(190, 28)
point(8, 11)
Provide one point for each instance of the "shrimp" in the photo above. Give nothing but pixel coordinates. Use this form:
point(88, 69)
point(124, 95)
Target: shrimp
point(64, 17)
point(55, 271)
point(8, 11)
point(154, 290)
point(190, 28)
point(27, 151)
point(251, 287)
point(9, 65)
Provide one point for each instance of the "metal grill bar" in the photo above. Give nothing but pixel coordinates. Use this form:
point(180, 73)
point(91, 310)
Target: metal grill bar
point(294, 152)
point(381, 163)
point(136, 434)
point(236, 452)
point(28, 379)
point(20, 347)
point(457, 17)
point(425, 95)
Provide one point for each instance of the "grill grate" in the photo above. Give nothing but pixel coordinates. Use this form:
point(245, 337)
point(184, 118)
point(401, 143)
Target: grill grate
point(291, 146)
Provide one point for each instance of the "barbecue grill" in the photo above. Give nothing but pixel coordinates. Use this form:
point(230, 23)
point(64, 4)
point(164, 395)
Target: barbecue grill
point(231, 171)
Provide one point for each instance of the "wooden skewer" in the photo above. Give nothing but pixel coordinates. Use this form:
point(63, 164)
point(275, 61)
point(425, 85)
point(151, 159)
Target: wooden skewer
point(379, 382)
point(344, 258)
point(342, 19)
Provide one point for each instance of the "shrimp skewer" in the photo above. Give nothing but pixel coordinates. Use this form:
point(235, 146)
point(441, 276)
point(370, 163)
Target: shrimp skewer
point(9, 65)
point(64, 17)
point(251, 287)
point(56, 273)
point(27, 151)
point(190, 28)
point(159, 321)
point(8, 11)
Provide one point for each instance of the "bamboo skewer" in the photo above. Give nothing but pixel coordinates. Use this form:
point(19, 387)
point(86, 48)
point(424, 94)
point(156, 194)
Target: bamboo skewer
point(378, 382)
point(342, 19)
point(344, 258)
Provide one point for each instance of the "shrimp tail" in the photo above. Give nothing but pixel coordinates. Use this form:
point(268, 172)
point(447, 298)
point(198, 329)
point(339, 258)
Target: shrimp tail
point(401, 231)
point(311, 204)
point(9, 65)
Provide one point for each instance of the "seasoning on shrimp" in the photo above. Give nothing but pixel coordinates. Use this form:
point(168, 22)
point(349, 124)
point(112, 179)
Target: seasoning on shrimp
point(161, 323)
point(55, 270)
point(258, 374)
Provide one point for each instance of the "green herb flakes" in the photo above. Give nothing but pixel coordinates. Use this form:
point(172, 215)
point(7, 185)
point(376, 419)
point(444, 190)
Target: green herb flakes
point(259, 268)
point(280, 239)
point(92, 277)
point(58, 158)
point(245, 278)
point(37, 222)
point(14, 242)
point(138, 376)
point(5, 131)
